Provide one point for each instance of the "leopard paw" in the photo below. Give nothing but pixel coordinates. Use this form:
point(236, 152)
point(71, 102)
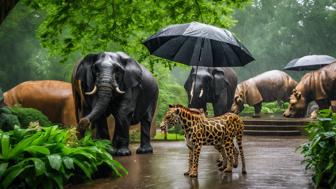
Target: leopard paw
point(228, 170)
point(186, 173)
point(193, 174)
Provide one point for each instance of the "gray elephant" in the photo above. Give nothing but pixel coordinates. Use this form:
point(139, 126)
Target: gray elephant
point(114, 83)
point(269, 86)
point(211, 85)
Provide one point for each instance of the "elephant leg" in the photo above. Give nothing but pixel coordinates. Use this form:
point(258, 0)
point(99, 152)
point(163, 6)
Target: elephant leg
point(146, 123)
point(145, 146)
point(219, 107)
point(121, 136)
point(257, 109)
point(101, 128)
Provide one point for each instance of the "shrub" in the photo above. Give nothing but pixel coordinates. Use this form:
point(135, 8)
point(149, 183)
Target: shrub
point(320, 150)
point(267, 108)
point(7, 119)
point(27, 115)
point(50, 157)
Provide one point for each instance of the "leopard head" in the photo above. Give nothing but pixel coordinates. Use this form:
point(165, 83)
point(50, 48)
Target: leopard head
point(171, 118)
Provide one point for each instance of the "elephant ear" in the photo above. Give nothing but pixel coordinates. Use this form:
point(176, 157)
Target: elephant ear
point(82, 80)
point(252, 95)
point(218, 84)
point(187, 84)
point(85, 73)
point(133, 71)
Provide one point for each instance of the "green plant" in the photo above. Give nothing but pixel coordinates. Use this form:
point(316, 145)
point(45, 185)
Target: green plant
point(7, 119)
point(320, 150)
point(170, 136)
point(50, 157)
point(267, 108)
point(27, 115)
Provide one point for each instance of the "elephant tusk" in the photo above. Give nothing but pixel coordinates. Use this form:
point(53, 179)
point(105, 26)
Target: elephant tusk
point(201, 93)
point(192, 89)
point(94, 90)
point(119, 91)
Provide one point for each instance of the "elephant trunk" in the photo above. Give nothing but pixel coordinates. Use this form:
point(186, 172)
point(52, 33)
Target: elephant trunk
point(104, 94)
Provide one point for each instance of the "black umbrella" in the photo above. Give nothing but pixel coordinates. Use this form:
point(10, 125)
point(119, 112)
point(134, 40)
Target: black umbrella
point(198, 44)
point(310, 62)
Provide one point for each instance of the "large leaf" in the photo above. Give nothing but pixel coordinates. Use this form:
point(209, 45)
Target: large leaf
point(23, 144)
point(68, 162)
point(3, 167)
point(55, 161)
point(38, 149)
point(5, 146)
point(13, 173)
point(83, 167)
point(39, 166)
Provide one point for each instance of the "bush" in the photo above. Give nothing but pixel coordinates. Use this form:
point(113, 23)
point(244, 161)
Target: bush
point(7, 119)
point(267, 108)
point(320, 150)
point(27, 115)
point(51, 157)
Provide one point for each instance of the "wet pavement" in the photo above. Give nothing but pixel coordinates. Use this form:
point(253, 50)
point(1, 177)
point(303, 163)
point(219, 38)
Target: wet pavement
point(271, 162)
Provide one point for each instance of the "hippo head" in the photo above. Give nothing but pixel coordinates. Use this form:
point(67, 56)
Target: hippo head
point(238, 103)
point(297, 105)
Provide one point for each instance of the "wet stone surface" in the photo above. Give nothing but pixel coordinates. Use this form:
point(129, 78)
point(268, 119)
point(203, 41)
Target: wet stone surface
point(271, 162)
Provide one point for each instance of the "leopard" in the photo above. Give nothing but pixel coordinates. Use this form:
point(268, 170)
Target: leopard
point(200, 130)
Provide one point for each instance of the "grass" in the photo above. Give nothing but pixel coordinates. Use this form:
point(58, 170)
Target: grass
point(170, 136)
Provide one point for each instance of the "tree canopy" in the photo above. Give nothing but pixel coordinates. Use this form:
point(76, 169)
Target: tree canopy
point(279, 31)
point(97, 25)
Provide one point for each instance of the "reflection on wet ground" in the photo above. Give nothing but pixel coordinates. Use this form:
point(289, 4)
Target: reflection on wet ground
point(271, 163)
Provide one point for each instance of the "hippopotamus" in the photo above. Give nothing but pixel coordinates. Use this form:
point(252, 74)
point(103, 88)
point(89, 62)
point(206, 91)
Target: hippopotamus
point(274, 85)
point(318, 86)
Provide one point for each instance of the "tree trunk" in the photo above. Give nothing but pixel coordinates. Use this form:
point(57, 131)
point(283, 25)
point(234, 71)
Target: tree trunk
point(5, 7)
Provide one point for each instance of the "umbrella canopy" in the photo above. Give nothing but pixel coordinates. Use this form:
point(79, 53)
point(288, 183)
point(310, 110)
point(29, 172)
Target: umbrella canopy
point(198, 44)
point(310, 62)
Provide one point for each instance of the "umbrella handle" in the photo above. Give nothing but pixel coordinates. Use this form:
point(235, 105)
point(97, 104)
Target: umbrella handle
point(193, 87)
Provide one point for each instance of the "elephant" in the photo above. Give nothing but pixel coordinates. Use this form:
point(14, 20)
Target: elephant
point(211, 85)
point(274, 85)
point(53, 98)
point(114, 83)
point(318, 86)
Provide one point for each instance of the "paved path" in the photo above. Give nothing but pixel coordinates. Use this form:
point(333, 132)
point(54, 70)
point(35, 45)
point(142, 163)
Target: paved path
point(271, 163)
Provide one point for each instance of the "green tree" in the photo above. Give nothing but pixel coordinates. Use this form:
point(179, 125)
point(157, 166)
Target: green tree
point(279, 31)
point(97, 25)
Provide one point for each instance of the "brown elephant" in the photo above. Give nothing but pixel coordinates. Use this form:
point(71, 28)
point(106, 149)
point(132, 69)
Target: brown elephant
point(53, 98)
point(318, 86)
point(269, 86)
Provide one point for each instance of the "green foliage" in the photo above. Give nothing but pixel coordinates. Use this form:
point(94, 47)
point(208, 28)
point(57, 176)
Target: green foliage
point(51, 157)
point(170, 136)
point(320, 150)
point(22, 57)
point(7, 119)
point(91, 26)
point(170, 91)
point(28, 115)
point(267, 108)
point(278, 31)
